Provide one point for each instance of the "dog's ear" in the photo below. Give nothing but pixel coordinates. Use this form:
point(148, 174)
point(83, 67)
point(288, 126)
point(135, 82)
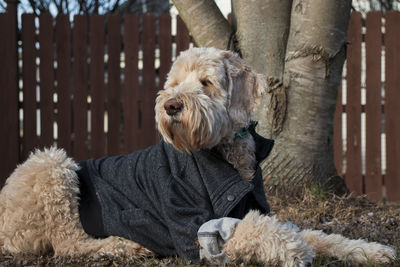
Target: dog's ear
point(246, 87)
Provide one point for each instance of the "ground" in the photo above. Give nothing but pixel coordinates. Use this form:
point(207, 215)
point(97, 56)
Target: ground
point(354, 217)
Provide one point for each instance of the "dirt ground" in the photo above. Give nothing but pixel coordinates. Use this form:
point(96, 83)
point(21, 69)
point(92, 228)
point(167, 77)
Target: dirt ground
point(354, 217)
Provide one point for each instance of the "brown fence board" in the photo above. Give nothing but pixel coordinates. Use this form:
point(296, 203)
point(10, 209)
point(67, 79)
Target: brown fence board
point(63, 75)
point(337, 134)
point(373, 43)
point(392, 105)
point(4, 89)
point(114, 85)
point(131, 84)
point(165, 44)
point(97, 90)
point(80, 40)
point(29, 140)
point(9, 95)
point(353, 105)
point(182, 38)
point(46, 55)
point(148, 90)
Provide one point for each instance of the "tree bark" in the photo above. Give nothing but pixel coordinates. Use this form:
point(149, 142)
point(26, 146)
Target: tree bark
point(205, 22)
point(262, 42)
point(262, 29)
point(315, 55)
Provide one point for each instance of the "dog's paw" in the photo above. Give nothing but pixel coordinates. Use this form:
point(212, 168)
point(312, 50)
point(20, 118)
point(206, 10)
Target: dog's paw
point(264, 239)
point(381, 254)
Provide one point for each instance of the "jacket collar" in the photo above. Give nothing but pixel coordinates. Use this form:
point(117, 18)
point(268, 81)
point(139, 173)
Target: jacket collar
point(263, 146)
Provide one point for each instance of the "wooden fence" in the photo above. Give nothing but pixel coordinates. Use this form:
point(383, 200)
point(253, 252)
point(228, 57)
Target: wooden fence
point(367, 152)
point(89, 87)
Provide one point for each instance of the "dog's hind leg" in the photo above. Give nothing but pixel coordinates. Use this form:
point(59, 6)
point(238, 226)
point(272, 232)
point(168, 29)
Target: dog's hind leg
point(357, 251)
point(39, 211)
point(24, 214)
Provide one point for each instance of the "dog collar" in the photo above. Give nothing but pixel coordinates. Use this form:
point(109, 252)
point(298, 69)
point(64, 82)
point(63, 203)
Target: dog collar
point(246, 130)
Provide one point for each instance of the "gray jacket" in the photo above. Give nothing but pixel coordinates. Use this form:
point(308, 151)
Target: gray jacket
point(159, 197)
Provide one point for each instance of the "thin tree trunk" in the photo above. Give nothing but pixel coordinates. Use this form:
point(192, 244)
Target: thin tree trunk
point(262, 42)
point(262, 29)
point(205, 22)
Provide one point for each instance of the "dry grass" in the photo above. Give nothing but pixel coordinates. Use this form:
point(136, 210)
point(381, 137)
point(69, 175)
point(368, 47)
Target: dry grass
point(354, 217)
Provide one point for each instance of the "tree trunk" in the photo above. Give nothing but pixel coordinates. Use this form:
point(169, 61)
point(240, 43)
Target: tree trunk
point(205, 22)
point(315, 54)
point(262, 39)
point(262, 42)
point(300, 46)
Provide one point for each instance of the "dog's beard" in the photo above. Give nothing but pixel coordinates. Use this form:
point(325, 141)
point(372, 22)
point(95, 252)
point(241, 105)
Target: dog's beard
point(202, 123)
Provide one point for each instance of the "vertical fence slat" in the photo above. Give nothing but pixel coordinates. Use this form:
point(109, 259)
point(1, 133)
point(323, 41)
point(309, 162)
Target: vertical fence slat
point(148, 90)
point(165, 44)
point(373, 43)
point(182, 38)
point(97, 91)
point(9, 94)
point(80, 105)
point(4, 89)
point(131, 84)
point(46, 79)
point(392, 105)
point(353, 105)
point(29, 140)
point(337, 133)
point(114, 84)
point(63, 74)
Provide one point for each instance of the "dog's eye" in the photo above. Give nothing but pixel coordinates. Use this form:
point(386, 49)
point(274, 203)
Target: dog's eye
point(205, 82)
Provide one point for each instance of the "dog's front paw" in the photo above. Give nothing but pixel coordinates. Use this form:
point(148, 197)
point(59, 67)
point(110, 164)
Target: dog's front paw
point(355, 251)
point(379, 253)
point(266, 240)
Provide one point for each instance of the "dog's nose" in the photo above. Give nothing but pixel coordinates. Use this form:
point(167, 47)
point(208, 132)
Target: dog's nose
point(172, 106)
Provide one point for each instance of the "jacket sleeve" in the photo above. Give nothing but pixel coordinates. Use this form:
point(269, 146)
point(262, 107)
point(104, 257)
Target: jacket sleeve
point(212, 237)
point(185, 211)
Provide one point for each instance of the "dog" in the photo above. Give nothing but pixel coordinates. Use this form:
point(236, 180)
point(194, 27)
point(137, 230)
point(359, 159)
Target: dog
point(196, 194)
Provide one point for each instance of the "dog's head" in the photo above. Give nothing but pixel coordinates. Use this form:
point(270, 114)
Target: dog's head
point(209, 95)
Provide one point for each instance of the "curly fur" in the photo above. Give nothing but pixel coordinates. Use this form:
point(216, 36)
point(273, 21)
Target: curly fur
point(218, 93)
point(39, 211)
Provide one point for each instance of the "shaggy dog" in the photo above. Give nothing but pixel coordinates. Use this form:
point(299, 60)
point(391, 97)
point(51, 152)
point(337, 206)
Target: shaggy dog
point(204, 115)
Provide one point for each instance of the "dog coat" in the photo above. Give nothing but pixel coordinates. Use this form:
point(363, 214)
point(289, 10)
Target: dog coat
point(159, 197)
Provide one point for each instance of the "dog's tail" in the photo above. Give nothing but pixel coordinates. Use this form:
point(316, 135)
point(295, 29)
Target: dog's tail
point(356, 251)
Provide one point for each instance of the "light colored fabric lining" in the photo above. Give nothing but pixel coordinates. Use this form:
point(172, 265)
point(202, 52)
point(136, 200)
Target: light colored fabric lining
point(212, 237)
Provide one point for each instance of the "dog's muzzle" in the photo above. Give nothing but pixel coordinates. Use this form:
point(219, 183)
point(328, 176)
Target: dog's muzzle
point(172, 106)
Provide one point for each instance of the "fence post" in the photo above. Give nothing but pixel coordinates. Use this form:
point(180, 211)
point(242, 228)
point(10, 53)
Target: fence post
point(9, 92)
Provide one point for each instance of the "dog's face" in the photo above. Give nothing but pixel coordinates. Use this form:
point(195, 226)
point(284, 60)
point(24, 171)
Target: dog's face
point(208, 96)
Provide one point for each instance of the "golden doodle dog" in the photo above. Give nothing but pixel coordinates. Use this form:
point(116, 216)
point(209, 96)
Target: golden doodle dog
point(196, 194)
